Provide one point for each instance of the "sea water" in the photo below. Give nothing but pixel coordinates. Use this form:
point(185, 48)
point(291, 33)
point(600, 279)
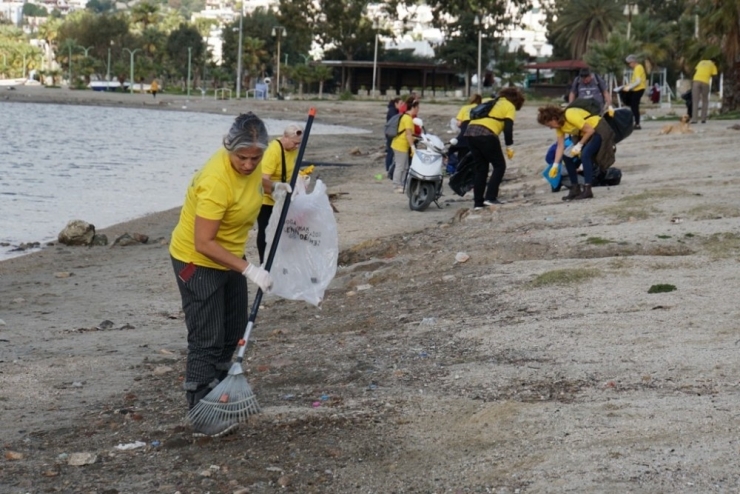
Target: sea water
point(99, 164)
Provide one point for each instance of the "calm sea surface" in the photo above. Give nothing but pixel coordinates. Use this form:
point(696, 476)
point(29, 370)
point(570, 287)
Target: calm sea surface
point(100, 165)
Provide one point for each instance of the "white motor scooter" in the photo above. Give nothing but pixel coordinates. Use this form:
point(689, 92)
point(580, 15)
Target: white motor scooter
point(426, 172)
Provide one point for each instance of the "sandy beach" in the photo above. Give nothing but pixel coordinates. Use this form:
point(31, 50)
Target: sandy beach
point(541, 364)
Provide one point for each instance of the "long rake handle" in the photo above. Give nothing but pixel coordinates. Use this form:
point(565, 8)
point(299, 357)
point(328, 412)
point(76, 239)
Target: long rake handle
point(281, 223)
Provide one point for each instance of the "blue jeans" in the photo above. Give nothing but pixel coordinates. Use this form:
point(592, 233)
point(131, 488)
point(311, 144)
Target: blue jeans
point(588, 153)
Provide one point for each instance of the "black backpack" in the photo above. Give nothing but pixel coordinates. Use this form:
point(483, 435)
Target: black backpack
point(589, 104)
point(391, 126)
point(483, 109)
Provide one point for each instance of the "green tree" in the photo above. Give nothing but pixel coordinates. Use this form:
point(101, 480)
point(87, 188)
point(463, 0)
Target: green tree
point(100, 6)
point(608, 58)
point(321, 73)
point(720, 20)
point(143, 15)
point(33, 10)
point(582, 22)
point(184, 37)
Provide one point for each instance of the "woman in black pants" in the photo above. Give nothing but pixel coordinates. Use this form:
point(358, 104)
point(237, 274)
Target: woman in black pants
point(632, 93)
point(483, 140)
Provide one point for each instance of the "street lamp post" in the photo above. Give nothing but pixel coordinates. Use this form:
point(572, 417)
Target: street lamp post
point(480, 44)
point(70, 63)
point(239, 53)
point(629, 9)
point(131, 77)
point(87, 50)
point(375, 56)
point(190, 56)
point(280, 32)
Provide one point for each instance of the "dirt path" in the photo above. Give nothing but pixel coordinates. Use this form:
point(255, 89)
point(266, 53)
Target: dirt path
point(542, 364)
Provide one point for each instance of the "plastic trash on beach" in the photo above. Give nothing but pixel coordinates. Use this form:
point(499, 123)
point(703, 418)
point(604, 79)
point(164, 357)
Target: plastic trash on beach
point(134, 445)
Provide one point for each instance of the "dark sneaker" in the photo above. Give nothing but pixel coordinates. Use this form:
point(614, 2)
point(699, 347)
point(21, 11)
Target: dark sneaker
point(494, 202)
point(218, 429)
point(637, 127)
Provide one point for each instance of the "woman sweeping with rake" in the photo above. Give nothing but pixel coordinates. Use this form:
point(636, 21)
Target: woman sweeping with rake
point(221, 206)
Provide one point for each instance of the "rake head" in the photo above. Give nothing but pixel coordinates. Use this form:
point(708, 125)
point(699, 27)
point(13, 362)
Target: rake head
point(228, 404)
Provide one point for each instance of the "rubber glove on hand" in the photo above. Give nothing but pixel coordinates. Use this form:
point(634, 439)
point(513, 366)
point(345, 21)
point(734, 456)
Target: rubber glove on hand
point(610, 110)
point(258, 276)
point(554, 170)
point(510, 153)
point(576, 150)
point(282, 187)
point(618, 89)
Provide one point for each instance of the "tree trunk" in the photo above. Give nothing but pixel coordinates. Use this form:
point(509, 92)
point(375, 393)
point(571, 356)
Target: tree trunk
point(731, 96)
point(321, 89)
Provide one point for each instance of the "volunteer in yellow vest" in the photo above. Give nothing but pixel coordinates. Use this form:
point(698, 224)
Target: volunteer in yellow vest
point(463, 119)
point(403, 145)
point(581, 125)
point(277, 167)
point(207, 249)
point(483, 140)
point(700, 88)
point(154, 88)
point(631, 94)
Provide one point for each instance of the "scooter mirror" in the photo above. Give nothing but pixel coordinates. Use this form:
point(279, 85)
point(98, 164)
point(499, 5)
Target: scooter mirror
point(418, 122)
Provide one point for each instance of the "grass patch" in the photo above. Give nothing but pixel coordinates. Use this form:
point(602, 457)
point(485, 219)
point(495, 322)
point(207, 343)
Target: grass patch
point(598, 241)
point(629, 212)
point(650, 195)
point(662, 288)
point(713, 212)
point(722, 245)
point(663, 236)
point(565, 276)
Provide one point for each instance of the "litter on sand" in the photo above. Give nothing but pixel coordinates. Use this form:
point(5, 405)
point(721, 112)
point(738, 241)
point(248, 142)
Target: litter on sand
point(126, 447)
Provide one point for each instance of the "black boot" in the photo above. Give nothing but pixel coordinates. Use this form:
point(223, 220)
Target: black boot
point(194, 397)
point(586, 194)
point(575, 191)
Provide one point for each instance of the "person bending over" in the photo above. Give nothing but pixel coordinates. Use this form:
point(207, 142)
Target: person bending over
point(632, 93)
point(484, 143)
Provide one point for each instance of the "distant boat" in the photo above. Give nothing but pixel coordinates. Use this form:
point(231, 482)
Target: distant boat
point(115, 86)
point(12, 82)
point(106, 85)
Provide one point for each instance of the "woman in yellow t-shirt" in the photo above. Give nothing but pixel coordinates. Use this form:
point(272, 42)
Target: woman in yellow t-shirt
point(483, 140)
point(283, 150)
point(700, 87)
point(403, 145)
point(207, 250)
point(631, 94)
point(581, 125)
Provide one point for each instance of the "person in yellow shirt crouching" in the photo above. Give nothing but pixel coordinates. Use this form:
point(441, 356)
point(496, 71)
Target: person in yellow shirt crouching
point(700, 88)
point(277, 167)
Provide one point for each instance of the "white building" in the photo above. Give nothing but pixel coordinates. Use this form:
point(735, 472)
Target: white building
point(12, 12)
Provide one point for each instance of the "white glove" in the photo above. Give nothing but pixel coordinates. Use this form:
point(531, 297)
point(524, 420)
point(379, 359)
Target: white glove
point(610, 110)
point(282, 187)
point(618, 89)
point(259, 276)
point(576, 150)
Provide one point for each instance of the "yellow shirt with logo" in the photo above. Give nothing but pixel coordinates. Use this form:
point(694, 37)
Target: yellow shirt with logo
point(575, 119)
point(218, 192)
point(704, 71)
point(495, 121)
point(464, 113)
point(272, 164)
point(400, 143)
point(639, 71)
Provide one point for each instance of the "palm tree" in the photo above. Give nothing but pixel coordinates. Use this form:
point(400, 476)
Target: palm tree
point(608, 58)
point(582, 22)
point(322, 73)
point(254, 56)
point(721, 20)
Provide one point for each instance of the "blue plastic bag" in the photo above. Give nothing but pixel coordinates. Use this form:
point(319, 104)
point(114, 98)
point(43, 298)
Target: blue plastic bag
point(549, 158)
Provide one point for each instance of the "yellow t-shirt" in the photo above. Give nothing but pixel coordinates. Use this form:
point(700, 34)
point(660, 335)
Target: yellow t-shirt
point(218, 192)
point(272, 164)
point(400, 143)
point(704, 71)
point(639, 71)
point(464, 113)
point(575, 119)
point(501, 110)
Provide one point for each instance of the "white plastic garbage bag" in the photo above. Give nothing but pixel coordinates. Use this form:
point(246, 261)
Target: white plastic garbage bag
point(308, 248)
